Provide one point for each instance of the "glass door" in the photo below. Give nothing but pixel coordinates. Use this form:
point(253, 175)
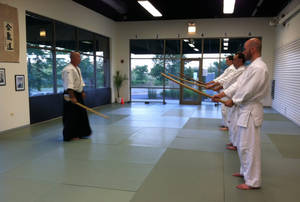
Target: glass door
point(191, 68)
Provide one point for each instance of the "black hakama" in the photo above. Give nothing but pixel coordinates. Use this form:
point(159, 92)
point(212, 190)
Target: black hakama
point(75, 120)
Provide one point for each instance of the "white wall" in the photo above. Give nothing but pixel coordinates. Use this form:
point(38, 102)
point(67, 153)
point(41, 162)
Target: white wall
point(287, 66)
point(14, 106)
point(290, 32)
point(209, 27)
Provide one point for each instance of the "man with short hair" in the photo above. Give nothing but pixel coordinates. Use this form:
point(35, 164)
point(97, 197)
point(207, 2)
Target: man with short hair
point(247, 94)
point(216, 82)
point(238, 62)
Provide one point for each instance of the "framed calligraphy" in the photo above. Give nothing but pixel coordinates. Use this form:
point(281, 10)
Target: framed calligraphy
point(9, 49)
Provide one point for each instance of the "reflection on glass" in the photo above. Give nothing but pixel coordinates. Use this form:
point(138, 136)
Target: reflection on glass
point(195, 55)
point(192, 48)
point(231, 46)
point(210, 69)
point(172, 67)
point(86, 42)
point(65, 37)
point(172, 94)
point(34, 26)
point(40, 74)
point(99, 53)
point(102, 45)
point(62, 60)
point(211, 55)
point(191, 70)
point(146, 94)
point(38, 46)
point(87, 70)
point(190, 95)
point(146, 47)
point(172, 49)
point(148, 61)
point(146, 72)
point(211, 47)
point(99, 72)
point(142, 56)
point(209, 73)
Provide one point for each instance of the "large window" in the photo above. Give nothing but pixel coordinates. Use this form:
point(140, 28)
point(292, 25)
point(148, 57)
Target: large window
point(151, 57)
point(40, 71)
point(49, 44)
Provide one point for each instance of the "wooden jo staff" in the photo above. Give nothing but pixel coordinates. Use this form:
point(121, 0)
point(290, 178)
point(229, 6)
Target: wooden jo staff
point(191, 78)
point(67, 98)
point(186, 86)
point(191, 82)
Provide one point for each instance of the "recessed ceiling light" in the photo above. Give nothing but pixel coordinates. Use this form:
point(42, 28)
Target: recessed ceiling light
point(228, 6)
point(150, 8)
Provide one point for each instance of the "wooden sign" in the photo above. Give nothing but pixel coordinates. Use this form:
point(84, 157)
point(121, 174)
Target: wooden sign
point(9, 34)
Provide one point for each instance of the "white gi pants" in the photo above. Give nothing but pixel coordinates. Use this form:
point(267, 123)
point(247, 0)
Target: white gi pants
point(224, 113)
point(249, 143)
point(232, 116)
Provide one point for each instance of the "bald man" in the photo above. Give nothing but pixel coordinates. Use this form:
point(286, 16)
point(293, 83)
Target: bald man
point(246, 94)
point(75, 119)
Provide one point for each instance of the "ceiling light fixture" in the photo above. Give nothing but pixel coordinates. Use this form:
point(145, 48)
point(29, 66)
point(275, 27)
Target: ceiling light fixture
point(226, 39)
point(228, 6)
point(185, 40)
point(150, 8)
point(191, 28)
point(225, 48)
point(196, 49)
point(225, 44)
point(191, 45)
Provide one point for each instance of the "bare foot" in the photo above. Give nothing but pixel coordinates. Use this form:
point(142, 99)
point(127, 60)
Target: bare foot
point(237, 175)
point(230, 144)
point(232, 148)
point(246, 187)
point(224, 128)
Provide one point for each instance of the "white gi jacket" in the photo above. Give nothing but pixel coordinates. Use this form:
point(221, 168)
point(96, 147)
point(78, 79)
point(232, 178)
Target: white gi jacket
point(232, 112)
point(247, 93)
point(229, 69)
point(251, 87)
point(72, 79)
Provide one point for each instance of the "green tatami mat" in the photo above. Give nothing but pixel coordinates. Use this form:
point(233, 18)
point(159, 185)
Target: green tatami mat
point(274, 117)
point(203, 123)
point(183, 175)
point(288, 145)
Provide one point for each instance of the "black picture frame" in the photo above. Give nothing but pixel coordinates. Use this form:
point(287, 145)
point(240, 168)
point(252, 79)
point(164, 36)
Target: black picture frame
point(2, 77)
point(20, 82)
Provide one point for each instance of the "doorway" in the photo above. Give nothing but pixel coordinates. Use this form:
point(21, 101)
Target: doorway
point(192, 68)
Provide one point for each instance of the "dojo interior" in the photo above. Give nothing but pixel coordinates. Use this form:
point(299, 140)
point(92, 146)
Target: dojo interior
point(162, 143)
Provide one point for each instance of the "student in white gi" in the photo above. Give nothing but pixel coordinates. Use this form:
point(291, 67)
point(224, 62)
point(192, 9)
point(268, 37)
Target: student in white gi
point(247, 93)
point(232, 77)
point(216, 81)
